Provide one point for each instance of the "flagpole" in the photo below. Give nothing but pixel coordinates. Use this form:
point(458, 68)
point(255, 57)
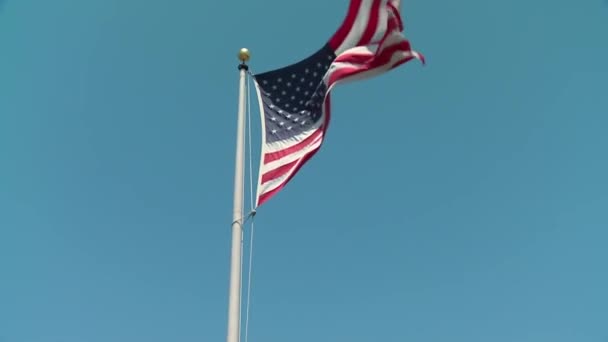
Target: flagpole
point(234, 297)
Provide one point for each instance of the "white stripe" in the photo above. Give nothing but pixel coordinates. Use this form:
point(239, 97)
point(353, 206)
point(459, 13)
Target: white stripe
point(358, 28)
point(273, 184)
point(263, 138)
point(290, 157)
point(296, 139)
point(393, 39)
point(382, 24)
point(397, 56)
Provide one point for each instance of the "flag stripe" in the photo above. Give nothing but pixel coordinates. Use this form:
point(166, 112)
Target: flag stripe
point(346, 70)
point(278, 172)
point(287, 143)
point(372, 24)
point(349, 21)
point(289, 157)
point(270, 157)
point(270, 191)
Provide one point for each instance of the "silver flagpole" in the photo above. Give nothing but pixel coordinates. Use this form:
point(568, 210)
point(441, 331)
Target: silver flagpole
point(234, 298)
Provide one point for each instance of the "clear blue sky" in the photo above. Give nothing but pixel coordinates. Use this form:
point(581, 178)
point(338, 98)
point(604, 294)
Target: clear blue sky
point(462, 201)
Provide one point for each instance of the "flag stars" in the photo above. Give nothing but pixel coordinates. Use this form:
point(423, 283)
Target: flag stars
point(279, 80)
point(274, 131)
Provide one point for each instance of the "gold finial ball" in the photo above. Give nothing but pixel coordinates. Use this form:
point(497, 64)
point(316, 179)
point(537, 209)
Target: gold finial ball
point(244, 55)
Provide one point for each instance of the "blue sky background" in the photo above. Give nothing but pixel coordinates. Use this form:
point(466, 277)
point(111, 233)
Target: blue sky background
point(465, 201)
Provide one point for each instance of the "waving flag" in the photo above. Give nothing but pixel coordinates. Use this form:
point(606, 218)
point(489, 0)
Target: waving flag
point(295, 100)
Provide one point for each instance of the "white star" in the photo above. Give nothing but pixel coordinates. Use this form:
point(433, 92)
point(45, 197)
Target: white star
point(271, 106)
point(298, 89)
point(289, 128)
point(306, 70)
point(273, 119)
point(280, 111)
point(278, 100)
point(287, 105)
point(293, 75)
point(295, 109)
point(330, 57)
point(289, 84)
point(314, 74)
point(303, 122)
point(288, 116)
point(281, 124)
point(302, 102)
point(293, 97)
point(274, 87)
point(318, 65)
point(306, 92)
point(302, 79)
point(274, 131)
point(265, 82)
point(295, 120)
point(279, 80)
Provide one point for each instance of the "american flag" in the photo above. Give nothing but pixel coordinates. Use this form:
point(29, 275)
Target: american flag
point(295, 100)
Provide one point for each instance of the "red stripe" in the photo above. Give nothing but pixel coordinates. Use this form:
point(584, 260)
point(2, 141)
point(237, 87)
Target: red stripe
point(269, 157)
point(265, 196)
point(372, 23)
point(384, 57)
point(353, 57)
point(396, 15)
point(347, 25)
point(278, 172)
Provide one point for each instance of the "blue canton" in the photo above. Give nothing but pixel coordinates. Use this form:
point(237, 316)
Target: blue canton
point(293, 96)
